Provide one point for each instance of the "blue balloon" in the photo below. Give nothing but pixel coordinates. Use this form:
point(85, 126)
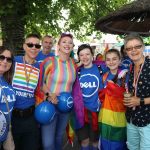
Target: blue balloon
point(65, 102)
point(45, 112)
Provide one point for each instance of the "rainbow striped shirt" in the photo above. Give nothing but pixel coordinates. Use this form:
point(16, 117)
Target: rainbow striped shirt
point(25, 91)
point(59, 75)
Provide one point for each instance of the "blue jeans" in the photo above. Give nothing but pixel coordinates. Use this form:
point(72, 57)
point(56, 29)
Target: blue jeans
point(138, 137)
point(52, 133)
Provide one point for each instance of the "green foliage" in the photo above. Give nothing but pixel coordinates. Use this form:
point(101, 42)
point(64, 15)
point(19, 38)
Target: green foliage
point(47, 16)
point(147, 41)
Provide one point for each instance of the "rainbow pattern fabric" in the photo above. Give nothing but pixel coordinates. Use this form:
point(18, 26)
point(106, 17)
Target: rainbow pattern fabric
point(57, 74)
point(60, 78)
point(19, 81)
point(112, 121)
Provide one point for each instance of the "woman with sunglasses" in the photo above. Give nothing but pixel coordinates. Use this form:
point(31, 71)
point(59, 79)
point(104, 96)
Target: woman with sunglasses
point(7, 95)
point(25, 79)
point(58, 74)
point(138, 105)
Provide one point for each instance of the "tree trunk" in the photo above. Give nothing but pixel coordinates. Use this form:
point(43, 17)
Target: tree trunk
point(13, 25)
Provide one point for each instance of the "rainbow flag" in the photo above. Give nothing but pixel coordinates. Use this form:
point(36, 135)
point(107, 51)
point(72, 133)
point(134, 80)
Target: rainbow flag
point(70, 133)
point(112, 121)
point(39, 94)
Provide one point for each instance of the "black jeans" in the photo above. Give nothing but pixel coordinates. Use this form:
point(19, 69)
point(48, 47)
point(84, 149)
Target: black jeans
point(25, 133)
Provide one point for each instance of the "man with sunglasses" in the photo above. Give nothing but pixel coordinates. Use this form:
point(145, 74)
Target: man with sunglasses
point(47, 44)
point(25, 80)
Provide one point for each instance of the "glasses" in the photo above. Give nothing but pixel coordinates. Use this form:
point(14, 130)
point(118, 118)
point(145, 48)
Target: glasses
point(9, 59)
point(30, 45)
point(137, 47)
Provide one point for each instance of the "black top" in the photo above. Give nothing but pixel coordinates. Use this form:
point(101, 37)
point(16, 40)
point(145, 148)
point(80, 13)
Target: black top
point(141, 115)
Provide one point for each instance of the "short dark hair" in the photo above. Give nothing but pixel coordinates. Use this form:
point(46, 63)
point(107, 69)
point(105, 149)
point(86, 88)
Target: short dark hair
point(113, 50)
point(83, 46)
point(33, 35)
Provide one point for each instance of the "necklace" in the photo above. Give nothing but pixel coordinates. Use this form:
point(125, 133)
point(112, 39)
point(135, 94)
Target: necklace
point(27, 74)
point(136, 77)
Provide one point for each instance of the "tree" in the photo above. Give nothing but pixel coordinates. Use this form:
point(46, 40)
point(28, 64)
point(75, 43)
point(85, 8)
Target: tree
point(19, 17)
point(12, 23)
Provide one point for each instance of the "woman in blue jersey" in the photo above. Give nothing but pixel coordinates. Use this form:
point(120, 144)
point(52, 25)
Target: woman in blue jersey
point(89, 85)
point(6, 91)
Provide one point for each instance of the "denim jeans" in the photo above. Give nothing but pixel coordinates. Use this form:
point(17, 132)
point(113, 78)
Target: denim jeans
point(52, 133)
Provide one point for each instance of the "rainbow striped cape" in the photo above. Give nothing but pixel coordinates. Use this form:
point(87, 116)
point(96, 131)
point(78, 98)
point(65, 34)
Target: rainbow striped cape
point(112, 121)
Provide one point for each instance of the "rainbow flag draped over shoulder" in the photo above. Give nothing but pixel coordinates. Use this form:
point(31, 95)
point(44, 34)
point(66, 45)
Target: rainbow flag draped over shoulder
point(112, 121)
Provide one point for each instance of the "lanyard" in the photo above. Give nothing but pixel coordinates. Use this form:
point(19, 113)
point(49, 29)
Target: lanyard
point(27, 74)
point(135, 81)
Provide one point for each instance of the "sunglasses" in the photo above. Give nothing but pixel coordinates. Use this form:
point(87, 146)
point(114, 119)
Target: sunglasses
point(9, 59)
point(137, 47)
point(30, 45)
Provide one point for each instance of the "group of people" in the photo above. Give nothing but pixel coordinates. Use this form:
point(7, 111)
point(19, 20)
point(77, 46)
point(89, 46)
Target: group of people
point(104, 118)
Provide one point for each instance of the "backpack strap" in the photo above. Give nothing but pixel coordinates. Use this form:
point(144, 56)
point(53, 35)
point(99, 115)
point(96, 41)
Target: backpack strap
point(100, 69)
point(105, 77)
point(79, 72)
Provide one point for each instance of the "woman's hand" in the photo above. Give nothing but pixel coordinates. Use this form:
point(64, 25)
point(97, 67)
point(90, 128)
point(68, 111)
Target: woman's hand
point(52, 98)
point(131, 101)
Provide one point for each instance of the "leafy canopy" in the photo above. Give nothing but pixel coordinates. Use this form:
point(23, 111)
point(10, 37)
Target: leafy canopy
point(56, 16)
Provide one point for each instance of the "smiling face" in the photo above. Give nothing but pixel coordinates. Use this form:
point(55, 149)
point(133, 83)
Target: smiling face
point(5, 62)
point(134, 49)
point(47, 44)
point(31, 51)
point(112, 61)
point(65, 45)
point(86, 57)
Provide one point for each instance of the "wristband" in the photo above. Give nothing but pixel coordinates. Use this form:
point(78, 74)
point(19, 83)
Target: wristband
point(142, 101)
point(47, 95)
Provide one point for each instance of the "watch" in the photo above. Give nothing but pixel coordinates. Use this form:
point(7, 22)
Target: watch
point(142, 101)
point(47, 95)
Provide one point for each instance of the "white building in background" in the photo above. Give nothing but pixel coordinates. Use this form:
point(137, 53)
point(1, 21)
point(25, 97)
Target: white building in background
point(147, 50)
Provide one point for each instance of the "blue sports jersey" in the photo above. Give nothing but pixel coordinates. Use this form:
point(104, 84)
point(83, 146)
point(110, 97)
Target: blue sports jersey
point(90, 84)
point(40, 57)
point(25, 90)
point(6, 90)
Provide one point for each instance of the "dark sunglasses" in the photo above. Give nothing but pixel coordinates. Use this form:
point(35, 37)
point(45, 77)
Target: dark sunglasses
point(9, 59)
point(30, 45)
